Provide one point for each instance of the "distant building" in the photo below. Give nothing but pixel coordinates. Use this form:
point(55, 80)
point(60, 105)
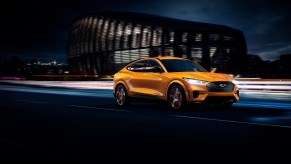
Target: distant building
point(285, 66)
point(102, 43)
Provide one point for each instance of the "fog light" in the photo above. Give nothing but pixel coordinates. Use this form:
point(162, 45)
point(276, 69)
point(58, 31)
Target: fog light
point(195, 94)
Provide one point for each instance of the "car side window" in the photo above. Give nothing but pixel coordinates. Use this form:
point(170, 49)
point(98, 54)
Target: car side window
point(153, 66)
point(138, 66)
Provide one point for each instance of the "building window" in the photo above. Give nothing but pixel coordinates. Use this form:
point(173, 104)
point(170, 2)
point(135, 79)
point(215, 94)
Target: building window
point(93, 29)
point(214, 37)
point(118, 35)
point(157, 36)
point(156, 51)
point(212, 51)
point(77, 42)
point(227, 38)
point(166, 37)
point(122, 56)
point(104, 35)
point(184, 37)
point(216, 55)
point(196, 54)
point(146, 36)
point(83, 36)
point(98, 35)
point(135, 54)
point(183, 51)
point(126, 56)
point(88, 63)
point(111, 35)
point(198, 37)
point(144, 52)
point(227, 50)
point(88, 36)
point(117, 57)
point(127, 36)
point(172, 37)
point(73, 43)
point(136, 36)
point(169, 51)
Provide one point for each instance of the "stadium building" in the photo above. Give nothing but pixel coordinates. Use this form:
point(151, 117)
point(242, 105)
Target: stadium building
point(102, 43)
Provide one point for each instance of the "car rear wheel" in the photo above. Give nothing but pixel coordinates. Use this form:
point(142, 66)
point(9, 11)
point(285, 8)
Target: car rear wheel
point(121, 96)
point(176, 97)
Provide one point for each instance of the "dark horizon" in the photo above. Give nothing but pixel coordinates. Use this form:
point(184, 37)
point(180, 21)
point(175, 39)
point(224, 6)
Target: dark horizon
point(40, 29)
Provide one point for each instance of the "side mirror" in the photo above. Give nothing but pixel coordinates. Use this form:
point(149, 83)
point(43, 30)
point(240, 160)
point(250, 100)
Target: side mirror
point(159, 69)
point(213, 70)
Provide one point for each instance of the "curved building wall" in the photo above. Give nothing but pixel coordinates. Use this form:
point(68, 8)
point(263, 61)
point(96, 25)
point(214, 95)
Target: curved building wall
point(102, 45)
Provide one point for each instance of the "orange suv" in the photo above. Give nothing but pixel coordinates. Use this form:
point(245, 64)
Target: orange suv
point(175, 80)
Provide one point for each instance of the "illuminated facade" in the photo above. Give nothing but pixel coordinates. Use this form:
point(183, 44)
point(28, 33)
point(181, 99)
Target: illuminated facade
point(103, 43)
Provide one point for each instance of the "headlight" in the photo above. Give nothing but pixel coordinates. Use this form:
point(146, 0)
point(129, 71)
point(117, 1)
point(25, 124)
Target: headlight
point(235, 82)
point(194, 81)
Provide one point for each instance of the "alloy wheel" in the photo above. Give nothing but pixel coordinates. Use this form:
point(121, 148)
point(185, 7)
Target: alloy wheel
point(176, 97)
point(120, 95)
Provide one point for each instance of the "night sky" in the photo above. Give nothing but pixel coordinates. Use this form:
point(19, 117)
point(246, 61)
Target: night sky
point(39, 29)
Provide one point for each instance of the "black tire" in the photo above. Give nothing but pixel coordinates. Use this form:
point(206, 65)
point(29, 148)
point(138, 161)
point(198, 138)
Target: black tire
point(224, 105)
point(121, 96)
point(227, 104)
point(176, 98)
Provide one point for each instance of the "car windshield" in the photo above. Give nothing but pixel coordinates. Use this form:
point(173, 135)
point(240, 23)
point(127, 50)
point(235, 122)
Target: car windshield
point(173, 65)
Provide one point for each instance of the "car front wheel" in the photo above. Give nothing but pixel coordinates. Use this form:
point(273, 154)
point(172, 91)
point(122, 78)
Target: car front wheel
point(227, 104)
point(176, 97)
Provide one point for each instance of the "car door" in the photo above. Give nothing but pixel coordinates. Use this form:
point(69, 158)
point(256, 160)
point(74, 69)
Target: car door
point(136, 76)
point(154, 79)
point(145, 81)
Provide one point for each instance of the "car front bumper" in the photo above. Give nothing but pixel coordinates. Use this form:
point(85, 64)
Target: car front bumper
point(200, 93)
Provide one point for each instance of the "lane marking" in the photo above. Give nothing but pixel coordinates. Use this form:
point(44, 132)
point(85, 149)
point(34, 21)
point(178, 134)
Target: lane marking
point(38, 102)
point(92, 107)
point(230, 121)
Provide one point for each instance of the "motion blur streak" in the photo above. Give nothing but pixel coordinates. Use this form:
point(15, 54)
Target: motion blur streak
point(264, 105)
point(251, 84)
point(67, 84)
point(254, 88)
point(257, 99)
point(59, 91)
point(271, 119)
point(264, 84)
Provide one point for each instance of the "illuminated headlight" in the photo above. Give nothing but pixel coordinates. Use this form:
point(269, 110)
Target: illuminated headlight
point(195, 81)
point(234, 82)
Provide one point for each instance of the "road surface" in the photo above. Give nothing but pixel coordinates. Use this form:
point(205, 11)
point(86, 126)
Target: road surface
point(51, 124)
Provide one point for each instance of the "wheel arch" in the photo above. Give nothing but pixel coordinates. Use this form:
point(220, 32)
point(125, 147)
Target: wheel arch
point(177, 82)
point(120, 82)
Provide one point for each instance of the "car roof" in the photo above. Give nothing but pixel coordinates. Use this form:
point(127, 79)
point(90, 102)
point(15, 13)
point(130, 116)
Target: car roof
point(164, 57)
point(169, 57)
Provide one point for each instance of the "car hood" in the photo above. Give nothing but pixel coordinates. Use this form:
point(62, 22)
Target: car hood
point(206, 76)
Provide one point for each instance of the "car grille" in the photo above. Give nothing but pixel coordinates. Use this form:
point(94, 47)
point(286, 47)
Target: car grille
point(220, 87)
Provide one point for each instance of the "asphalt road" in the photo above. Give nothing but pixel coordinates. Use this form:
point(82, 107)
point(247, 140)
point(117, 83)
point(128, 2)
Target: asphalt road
point(85, 126)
